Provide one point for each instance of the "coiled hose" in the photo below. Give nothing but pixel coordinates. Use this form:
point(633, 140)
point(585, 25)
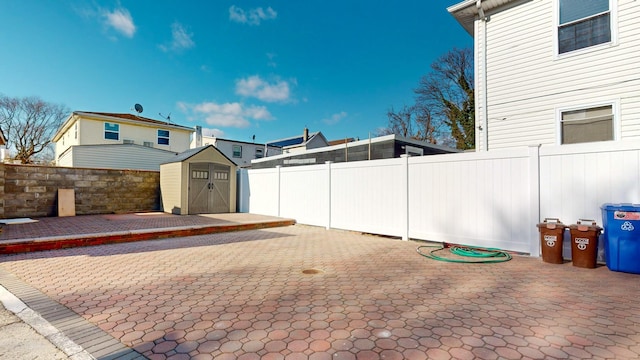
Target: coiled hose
point(465, 254)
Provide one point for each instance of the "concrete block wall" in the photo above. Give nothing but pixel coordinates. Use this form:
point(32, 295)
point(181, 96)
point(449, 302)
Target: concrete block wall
point(32, 191)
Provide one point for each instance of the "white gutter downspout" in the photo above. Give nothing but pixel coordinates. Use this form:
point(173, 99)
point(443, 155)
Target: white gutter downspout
point(484, 127)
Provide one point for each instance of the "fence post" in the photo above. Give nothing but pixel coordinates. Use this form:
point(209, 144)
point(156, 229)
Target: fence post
point(328, 163)
point(534, 200)
point(405, 195)
point(279, 190)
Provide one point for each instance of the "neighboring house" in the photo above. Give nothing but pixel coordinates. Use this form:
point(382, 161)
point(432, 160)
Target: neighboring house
point(301, 143)
point(383, 147)
point(554, 72)
point(118, 141)
point(240, 152)
point(3, 146)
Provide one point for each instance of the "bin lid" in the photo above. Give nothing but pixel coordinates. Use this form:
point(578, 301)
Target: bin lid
point(585, 226)
point(621, 207)
point(551, 223)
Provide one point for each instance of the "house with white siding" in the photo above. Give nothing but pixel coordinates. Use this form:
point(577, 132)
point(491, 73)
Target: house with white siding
point(240, 152)
point(554, 72)
point(118, 141)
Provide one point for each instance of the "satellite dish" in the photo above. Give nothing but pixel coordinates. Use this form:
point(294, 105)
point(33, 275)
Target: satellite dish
point(138, 108)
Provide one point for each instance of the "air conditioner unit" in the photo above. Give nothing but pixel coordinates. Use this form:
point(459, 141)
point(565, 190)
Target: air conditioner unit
point(148, 144)
point(126, 141)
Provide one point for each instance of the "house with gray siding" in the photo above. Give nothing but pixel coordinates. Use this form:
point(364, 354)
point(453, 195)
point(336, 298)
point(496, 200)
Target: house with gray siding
point(554, 72)
point(383, 147)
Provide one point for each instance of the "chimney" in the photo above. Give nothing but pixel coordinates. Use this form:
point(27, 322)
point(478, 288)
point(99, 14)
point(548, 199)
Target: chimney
point(305, 135)
point(198, 136)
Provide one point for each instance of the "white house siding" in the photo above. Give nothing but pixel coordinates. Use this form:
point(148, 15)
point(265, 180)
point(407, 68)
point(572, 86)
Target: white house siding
point(527, 83)
point(120, 156)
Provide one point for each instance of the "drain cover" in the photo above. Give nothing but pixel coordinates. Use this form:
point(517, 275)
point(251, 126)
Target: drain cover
point(312, 271)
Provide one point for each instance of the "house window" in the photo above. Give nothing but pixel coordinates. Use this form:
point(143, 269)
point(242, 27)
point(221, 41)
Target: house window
point(587, 125)
point(583, 23)
point(111, 131)
point(259, 153)
point(75, 128)
point(163, 137)
point(237, 151)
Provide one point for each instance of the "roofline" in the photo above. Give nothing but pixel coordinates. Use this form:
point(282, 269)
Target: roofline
point(87, 114)
point(293, 137)
point(240, 142)
point(197, 151)
point(467, 11)
point(313, 136)
point(152, 122)
point(358, 143)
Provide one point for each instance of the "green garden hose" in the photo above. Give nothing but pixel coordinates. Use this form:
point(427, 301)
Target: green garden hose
point(465, 254)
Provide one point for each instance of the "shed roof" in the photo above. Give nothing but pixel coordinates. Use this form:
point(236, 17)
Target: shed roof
point(3, 140)
point(186, 155)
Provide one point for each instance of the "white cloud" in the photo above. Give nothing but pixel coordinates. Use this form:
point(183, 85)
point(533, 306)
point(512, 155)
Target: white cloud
point(335, 118)
point(226, 114)
point(255, 86)
point(212, 132)
point(120, 20)
point(180, 39)
point(252, 16)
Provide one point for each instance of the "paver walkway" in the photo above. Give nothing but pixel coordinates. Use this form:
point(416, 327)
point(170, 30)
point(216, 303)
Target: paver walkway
point(302, 292)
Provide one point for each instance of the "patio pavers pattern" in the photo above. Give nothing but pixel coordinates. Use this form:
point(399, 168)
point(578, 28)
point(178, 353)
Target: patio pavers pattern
point(246, 295)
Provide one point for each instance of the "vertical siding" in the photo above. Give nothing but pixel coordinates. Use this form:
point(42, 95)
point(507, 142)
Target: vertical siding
point(471, 198)
point(367, 196)
point(171, 188)
point(527, 82)
point(264, 191)
point(305, 193)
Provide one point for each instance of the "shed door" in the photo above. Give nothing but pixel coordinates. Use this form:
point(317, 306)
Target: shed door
point(209, 188)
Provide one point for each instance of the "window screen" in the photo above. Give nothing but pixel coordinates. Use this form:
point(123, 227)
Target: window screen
point(583, 23)
point(587, 125)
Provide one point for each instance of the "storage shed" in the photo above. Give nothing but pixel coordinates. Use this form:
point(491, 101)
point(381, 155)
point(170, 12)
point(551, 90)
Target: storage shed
point(198, 181)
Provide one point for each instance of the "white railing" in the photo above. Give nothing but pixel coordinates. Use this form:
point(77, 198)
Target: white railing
point(488, 199)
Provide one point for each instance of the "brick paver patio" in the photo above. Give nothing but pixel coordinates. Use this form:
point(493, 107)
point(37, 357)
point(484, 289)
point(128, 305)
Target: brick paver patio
point(302, 292)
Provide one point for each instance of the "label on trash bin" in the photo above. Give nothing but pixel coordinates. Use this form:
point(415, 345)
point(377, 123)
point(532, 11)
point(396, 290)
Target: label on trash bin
point(550, 240)
point(626, 215)
point(581, 243)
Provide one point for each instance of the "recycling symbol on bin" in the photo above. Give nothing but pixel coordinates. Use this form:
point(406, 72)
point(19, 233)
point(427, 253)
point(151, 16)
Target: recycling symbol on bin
point(627, 226)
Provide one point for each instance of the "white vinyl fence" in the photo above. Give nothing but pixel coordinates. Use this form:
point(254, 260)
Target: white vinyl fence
point(488, 199)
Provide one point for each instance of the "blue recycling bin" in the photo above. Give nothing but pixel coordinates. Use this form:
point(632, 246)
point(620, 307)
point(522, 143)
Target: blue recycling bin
point(621, 223)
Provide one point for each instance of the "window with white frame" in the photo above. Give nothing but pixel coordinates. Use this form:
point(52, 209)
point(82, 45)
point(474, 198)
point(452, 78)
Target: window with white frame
point(259, 153)
point(583, 23)
point(111, 131)
point(587, 125)
point(237, 151)
point(163, 137)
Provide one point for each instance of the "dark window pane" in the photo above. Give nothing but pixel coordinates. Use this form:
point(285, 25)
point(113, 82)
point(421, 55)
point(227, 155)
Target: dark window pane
point(111, 135)
point(585, 33)
point(163, 141)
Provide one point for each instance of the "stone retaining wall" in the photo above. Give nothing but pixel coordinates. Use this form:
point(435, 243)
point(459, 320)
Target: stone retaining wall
point(32, 191)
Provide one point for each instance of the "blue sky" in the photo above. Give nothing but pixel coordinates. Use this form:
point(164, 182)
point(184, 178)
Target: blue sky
point(236, 68)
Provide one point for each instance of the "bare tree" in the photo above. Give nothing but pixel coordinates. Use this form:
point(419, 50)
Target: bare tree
point(448, 94)
point(412, 122)
point(29, 124)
